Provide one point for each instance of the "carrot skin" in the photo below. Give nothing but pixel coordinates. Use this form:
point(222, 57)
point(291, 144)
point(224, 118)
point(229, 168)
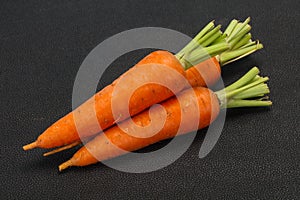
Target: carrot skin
point(103, 146)
point(65, 130)
point(204, 74)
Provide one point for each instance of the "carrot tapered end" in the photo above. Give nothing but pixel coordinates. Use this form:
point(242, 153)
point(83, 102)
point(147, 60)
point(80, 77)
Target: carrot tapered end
point(65, 165)
point(30, 146)
point(61, 148)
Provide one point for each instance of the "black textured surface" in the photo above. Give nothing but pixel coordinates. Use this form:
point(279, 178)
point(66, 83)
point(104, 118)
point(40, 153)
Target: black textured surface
point(42, 44)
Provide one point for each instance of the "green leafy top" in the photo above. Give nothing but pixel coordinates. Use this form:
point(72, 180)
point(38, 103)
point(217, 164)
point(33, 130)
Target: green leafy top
point(235, 43)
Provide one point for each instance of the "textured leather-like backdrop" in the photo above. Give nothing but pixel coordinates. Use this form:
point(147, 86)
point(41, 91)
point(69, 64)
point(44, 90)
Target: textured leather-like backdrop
point(43, 43)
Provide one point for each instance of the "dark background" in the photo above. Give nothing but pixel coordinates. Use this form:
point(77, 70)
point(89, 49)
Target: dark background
point(43, 43)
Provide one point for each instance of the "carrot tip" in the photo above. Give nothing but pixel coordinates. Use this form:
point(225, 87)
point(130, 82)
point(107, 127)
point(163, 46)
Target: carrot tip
point(30, 146)
point(65, 165)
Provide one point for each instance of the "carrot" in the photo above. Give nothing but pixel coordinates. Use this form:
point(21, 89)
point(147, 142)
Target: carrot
point(205, 73)
point(66, 130)
point(180, 112)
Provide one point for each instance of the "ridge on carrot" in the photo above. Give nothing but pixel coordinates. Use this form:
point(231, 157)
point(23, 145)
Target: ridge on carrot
point(248, 91)
point(192, 62)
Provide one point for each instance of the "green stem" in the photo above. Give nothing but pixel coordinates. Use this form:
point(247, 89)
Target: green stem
point(234, 44)
point(231, 56)
point(251, 43)
point(221, 39)
point(247, 103)
point(238, 28)
point(205, 30)
point(192, 44)
point(210, 40)
point(201, 54)
point(250, 86)
point(240, 35)
point(248, 77)
point(230, 27)
point(245, 40)
point(257, 91)
point(232, 94)
point(209, 35)
point(257, 77)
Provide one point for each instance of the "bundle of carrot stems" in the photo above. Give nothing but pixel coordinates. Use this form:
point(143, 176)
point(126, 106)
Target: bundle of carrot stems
point(199, 62)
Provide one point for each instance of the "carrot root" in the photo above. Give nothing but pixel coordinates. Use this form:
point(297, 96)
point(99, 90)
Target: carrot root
point(65, 165)
point(30, 146)
point(62, 148)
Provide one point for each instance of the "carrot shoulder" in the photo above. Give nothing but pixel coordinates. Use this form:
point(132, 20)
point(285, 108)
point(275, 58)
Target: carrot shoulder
point(205, 73)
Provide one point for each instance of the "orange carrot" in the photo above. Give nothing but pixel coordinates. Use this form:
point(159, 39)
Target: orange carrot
point(205, 73)
point(181, 114)
point(66, 131)
point(104, 145)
